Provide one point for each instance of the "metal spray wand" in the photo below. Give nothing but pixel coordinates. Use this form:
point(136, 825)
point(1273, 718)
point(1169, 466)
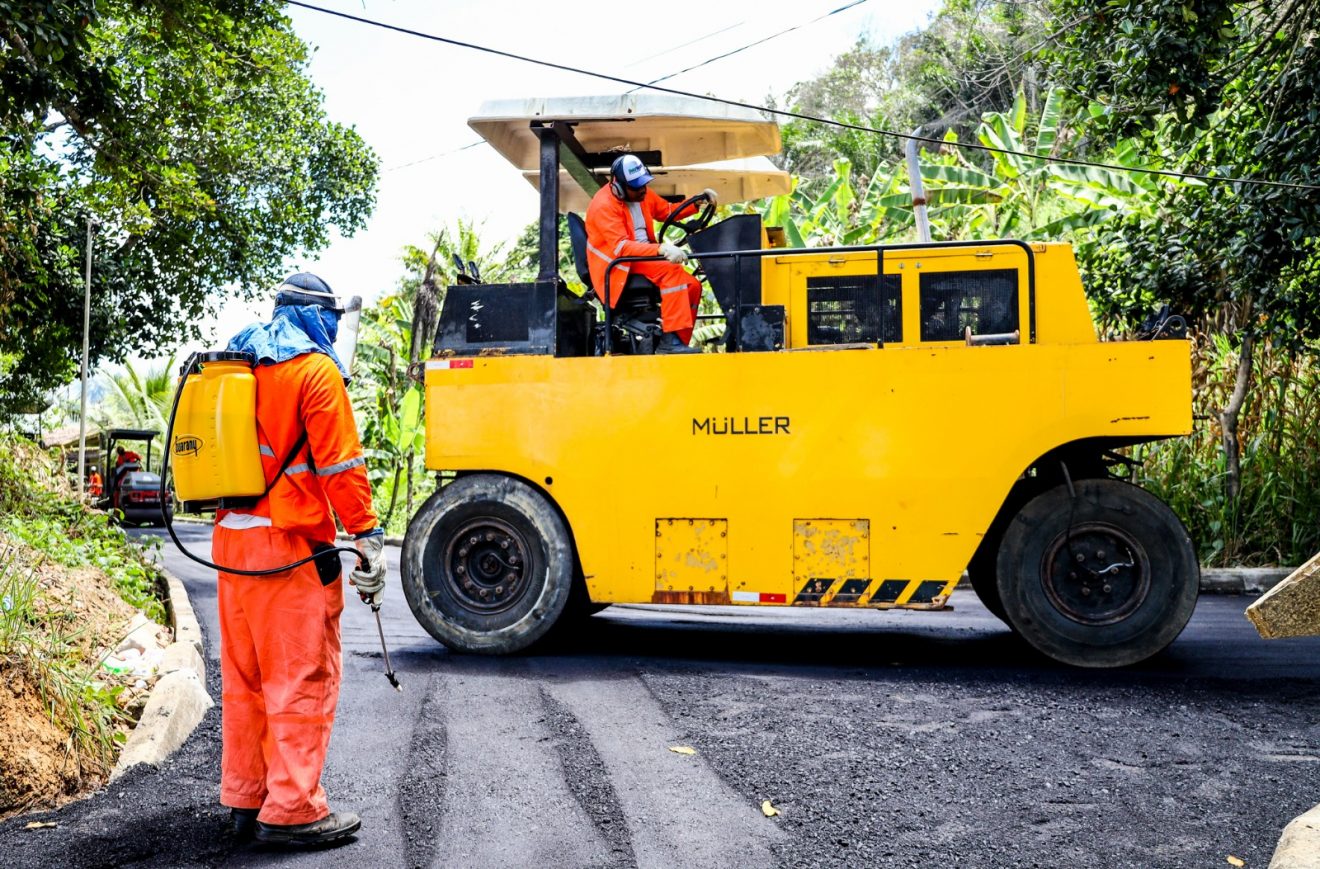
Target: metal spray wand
point(348, 332)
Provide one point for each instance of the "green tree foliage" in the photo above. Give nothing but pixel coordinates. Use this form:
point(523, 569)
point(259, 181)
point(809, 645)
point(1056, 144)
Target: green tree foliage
point(970, 195)
point(1217, 88)
point(137, 397)
point(1223, 89)
point(973, 57)
point(191, 134)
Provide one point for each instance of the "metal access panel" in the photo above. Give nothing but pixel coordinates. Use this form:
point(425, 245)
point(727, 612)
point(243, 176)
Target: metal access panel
point(761, 328)
point(691, 561)
point(831, 561)
point(501, 319)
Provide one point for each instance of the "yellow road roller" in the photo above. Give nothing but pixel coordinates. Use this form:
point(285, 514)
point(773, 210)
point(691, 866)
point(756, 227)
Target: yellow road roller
point(876, 421)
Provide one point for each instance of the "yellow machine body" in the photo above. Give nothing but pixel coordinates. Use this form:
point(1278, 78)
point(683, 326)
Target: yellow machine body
point(214, 451)
point(835, 474)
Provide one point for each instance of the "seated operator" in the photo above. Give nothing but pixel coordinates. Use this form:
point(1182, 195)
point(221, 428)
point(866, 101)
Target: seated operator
point(620, 222)
point(123, 458)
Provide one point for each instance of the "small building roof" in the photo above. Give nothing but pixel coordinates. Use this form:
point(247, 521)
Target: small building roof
point(68, 436)
point(682, 130)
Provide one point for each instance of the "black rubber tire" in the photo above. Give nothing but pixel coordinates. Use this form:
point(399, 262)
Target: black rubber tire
point(435, 547)
point(1092, 617)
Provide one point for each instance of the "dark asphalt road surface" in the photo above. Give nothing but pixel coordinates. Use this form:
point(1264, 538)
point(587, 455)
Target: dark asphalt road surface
point(900, 738)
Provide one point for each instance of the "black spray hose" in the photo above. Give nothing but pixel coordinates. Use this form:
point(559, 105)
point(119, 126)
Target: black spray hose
point(168, 519)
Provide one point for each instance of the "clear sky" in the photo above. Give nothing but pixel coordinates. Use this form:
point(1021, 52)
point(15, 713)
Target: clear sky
point(410, 98)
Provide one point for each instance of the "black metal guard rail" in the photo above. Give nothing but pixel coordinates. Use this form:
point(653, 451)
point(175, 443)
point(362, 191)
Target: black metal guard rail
point(731, 319)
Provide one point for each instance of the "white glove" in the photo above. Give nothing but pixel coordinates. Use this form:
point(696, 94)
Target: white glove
point(712, 196)
point(673, 254)
point(369, 576)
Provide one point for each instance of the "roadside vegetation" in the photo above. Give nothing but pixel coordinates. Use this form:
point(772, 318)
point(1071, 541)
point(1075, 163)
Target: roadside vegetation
point(1274, 518)
point(70, 584)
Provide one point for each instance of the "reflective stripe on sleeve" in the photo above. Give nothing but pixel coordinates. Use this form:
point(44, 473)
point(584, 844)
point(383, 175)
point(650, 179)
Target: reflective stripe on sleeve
point(297, 469)
point(667, 290)
point(265, 451)
point(339, 467)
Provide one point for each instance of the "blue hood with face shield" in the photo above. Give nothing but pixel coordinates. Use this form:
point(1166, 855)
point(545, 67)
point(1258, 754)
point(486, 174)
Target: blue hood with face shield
point(293, 331)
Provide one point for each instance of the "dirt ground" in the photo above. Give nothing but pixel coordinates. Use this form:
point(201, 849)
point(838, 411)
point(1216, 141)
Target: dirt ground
point(35, 766)
point(40, 766)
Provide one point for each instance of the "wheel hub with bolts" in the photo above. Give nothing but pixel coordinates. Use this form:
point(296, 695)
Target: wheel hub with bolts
point(1096, 574)
point(485, 562)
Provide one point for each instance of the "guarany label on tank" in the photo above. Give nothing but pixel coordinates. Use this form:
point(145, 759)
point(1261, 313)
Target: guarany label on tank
point(187, 445)
point(440, 364)
point(741, 425)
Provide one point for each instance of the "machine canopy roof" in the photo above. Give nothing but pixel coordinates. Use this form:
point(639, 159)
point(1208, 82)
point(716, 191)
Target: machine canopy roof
point(663, 130)
point(734, 180)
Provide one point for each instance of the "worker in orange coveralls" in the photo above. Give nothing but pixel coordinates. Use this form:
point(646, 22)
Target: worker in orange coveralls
point(279, 635)
point(95, 486)
point(620, 222)
point(123, 458)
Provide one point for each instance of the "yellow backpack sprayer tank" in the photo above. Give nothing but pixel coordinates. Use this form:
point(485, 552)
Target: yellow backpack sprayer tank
point(213, 444)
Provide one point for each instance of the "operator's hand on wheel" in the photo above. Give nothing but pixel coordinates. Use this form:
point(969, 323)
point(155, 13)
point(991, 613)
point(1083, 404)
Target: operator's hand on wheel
point(673, 254)
point(369, 575)
point(712, 196)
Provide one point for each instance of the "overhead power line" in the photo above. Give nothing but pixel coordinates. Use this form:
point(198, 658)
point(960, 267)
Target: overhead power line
point(434, 156)
point(674, 48)
point(761, 41)
point(672, 74)
point(802, 116)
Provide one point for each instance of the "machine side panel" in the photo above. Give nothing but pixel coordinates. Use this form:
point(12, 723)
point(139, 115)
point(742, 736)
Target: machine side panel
point(921, 443)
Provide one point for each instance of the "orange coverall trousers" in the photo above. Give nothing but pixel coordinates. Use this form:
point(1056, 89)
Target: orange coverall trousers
point(680, 295)
point(280, 661)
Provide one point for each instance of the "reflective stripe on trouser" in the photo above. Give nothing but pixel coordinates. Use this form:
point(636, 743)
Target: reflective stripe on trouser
point(677, 307)
point(280, 668)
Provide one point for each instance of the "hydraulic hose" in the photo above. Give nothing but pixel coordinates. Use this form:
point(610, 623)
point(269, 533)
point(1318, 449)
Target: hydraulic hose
point(169, 520)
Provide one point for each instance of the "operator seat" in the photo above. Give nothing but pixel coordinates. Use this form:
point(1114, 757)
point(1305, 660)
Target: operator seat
point(636, 315)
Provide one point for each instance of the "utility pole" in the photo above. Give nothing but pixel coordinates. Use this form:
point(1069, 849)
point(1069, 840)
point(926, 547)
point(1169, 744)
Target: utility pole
point(87, 328)
point(918, 192)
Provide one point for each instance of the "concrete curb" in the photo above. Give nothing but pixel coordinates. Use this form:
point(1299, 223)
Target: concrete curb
point(1299, 846)
point(184, 621)
point(1242, 580)
point(178, 700)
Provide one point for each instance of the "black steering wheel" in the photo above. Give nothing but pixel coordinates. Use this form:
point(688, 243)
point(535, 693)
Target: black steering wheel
point(689, 227)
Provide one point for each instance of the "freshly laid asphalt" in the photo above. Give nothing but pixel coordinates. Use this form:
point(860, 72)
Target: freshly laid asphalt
point(901, 738)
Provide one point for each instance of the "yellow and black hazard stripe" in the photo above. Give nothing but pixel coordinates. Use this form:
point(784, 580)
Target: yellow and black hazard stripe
point(915, 593)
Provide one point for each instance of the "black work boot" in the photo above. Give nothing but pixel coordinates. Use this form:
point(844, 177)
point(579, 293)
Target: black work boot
point(669, 343)
point(244, 823)
point(331, 828)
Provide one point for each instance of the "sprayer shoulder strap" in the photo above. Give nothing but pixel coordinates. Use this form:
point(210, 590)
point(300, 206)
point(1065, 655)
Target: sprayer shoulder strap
point(247, 503)
point(288, 460)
